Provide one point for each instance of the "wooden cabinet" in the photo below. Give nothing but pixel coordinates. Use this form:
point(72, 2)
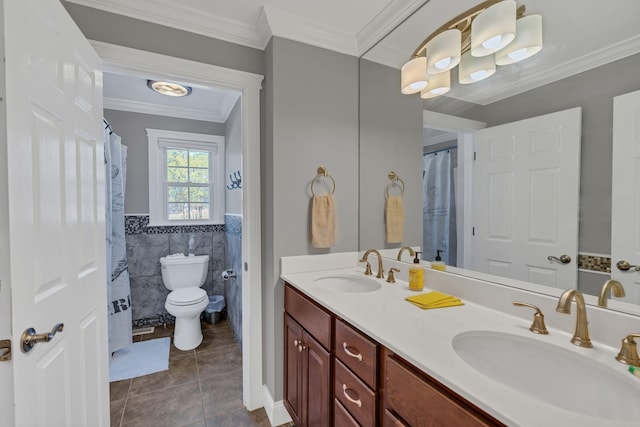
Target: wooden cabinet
point(413, 398)
point(334, 375)
point(307, 363)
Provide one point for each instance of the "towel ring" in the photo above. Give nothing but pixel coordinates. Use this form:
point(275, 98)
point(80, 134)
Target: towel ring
point(394, 180)
point(322, 173)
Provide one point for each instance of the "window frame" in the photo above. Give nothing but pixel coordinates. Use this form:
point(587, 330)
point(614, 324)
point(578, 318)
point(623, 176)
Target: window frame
point(159, 141)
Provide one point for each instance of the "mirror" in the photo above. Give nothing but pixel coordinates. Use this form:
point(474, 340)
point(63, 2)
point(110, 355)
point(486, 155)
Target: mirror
point(588, 58)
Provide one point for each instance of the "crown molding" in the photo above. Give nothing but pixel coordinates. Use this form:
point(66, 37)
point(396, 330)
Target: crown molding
point(591, 60)
point(384, 22)
point(286, 25)
point(176, 15)
point(271, 22)
point(162, 110)
point(437, 139)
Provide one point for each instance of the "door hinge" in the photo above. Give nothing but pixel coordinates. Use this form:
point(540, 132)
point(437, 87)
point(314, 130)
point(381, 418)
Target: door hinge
point(5, 350)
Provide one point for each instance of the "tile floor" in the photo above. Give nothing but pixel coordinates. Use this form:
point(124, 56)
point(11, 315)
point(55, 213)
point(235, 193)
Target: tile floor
point(202, 388)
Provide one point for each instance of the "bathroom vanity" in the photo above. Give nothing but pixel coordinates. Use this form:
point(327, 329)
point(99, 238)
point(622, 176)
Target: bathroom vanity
point(357, 354)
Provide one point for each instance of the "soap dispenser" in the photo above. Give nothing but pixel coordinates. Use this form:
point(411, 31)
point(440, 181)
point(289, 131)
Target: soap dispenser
point(438, 264)
point(416, 274)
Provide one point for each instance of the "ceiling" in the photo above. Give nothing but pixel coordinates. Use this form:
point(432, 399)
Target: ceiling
point(350, 27)
point(578, 35)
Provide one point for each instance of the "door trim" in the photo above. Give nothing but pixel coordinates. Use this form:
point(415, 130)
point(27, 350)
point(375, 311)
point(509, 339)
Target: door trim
point(120, 59)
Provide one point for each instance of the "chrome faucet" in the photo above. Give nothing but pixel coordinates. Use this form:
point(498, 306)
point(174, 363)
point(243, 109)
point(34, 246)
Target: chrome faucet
point(405, 248)
point(610, 287)
point(581, 334)
point(380, 274)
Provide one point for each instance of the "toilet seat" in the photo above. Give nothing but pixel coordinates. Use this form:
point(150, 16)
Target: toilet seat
point(187, 296)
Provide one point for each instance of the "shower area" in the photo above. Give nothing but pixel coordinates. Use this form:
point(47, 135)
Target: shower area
point(131, 108)
point(440, 162)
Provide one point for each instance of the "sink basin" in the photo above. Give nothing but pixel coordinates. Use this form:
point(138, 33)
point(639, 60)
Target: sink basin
point(552, 374)
point(348, 284)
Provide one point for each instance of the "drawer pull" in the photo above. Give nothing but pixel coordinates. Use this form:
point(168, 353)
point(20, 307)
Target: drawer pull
point(345, 347)
point(357, 402)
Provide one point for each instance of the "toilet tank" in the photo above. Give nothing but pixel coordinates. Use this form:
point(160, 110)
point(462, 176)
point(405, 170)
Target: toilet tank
point(184, 272)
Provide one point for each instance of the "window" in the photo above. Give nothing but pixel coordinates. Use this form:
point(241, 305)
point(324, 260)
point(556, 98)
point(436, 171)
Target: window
point(186, 178)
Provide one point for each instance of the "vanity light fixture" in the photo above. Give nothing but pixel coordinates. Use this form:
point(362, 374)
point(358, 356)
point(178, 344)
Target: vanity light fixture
point(169, 88)
point(495, 32)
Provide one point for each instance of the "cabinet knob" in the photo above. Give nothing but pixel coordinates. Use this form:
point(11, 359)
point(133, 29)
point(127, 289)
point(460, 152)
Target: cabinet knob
point(295, 343)
point(301, 347)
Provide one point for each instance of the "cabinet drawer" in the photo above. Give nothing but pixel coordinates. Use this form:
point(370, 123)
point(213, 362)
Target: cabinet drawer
point(341, 417)
point(423, 402)
point(355, 396)
point(357, 352)
point(308, 314)
point(390, 420)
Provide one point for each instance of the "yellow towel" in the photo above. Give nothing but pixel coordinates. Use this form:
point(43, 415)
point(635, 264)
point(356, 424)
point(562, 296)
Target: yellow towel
point(434, 299)
point(323, 221)
point(394, 215)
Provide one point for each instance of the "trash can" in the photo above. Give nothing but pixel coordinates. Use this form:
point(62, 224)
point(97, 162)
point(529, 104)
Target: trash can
point(213, 312)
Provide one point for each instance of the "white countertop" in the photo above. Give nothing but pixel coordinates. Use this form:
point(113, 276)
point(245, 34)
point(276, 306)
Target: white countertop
point(424, 338)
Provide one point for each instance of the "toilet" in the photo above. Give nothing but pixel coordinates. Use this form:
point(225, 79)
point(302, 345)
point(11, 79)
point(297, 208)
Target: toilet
point(183, 276)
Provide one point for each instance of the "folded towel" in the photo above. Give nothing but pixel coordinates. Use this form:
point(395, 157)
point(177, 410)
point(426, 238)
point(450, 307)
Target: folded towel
point(394, 215)
point(434, 299)
point(323, 221)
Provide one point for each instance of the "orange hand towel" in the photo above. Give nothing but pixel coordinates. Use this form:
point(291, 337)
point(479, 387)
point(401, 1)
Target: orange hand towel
point(394, 215)
point(323, 221)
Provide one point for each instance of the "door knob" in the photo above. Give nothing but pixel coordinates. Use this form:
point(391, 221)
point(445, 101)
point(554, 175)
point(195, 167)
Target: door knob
point(625, 266)
point(29, 337)
point(563, 259)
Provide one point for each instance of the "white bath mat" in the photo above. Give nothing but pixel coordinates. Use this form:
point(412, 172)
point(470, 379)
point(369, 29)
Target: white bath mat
point(140, 358)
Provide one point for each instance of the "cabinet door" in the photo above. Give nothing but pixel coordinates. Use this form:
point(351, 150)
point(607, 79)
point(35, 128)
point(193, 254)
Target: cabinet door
point(318, 383)
point(293, 370)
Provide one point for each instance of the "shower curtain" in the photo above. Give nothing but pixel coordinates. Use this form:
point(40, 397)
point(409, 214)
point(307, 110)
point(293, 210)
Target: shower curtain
point(438, 208)
point(118, 288)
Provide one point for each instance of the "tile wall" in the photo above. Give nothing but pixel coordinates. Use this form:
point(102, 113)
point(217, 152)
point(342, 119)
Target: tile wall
point(145, 246)
point(233, 287)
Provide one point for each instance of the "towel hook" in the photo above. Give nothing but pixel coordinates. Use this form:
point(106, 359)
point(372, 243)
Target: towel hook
point(394, 180)
point(322, 173)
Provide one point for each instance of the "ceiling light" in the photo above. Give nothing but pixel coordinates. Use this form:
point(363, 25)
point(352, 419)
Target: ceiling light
point(469, 40)
point(169, 88)
point(472, 69)
point(494, 28)
point(443, 51)
point(414, 76)
point(527, 43)
point(439, 84)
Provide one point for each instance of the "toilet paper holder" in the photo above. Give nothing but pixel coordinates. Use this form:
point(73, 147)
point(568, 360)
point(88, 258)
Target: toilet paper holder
point(228, 274)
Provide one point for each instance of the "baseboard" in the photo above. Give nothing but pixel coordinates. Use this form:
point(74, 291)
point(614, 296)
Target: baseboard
point(276, 411)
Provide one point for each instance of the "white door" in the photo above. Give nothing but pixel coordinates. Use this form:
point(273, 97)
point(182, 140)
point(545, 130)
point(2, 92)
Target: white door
point(525, 193)
point(625, 193)
point(56, 217)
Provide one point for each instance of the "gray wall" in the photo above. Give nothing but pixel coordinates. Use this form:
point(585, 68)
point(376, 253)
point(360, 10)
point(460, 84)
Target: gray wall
point(132, 129)
point(121, 30)
point(233, 158)
point(311, 120)
point(594, 91)
point(390, 140)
